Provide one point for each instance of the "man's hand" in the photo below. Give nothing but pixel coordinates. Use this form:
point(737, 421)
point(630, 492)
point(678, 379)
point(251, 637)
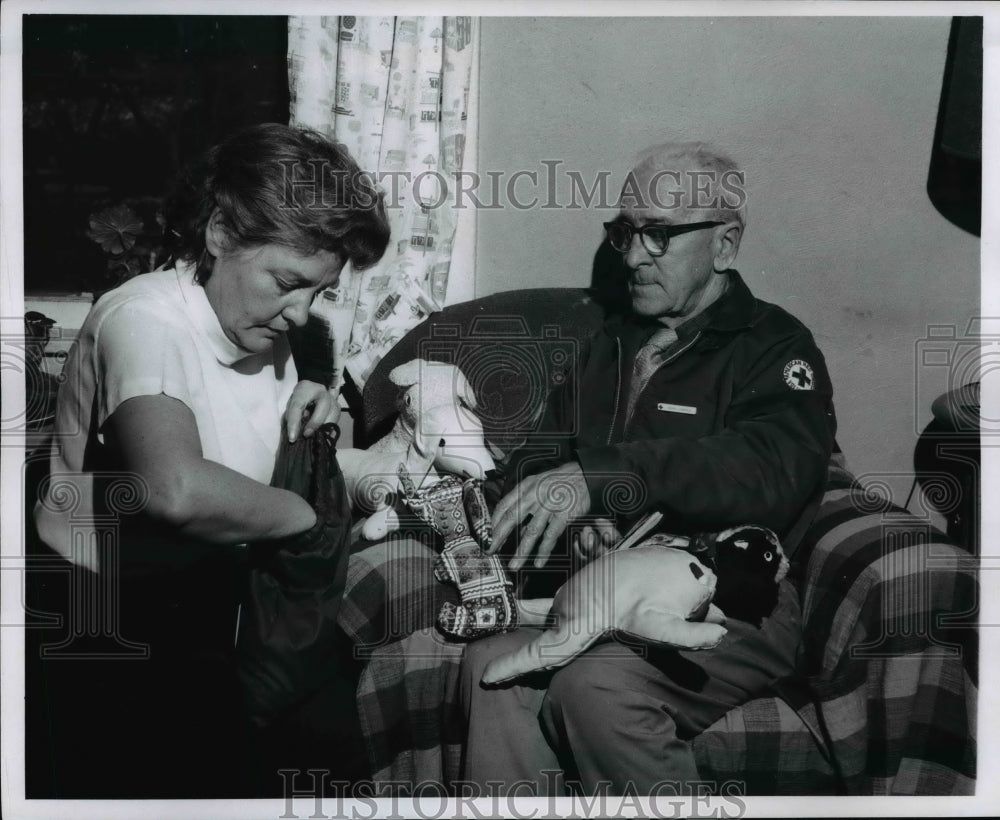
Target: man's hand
point(310, 406)
point(551, 500)
point(596, 539)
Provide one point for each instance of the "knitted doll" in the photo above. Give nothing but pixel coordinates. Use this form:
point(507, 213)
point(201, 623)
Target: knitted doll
point(457, 511)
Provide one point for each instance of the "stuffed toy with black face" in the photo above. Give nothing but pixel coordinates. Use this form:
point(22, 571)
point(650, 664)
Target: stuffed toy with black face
point(749, 564)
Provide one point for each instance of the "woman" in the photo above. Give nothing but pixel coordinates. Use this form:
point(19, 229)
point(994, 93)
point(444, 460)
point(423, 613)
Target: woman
point(175, 397)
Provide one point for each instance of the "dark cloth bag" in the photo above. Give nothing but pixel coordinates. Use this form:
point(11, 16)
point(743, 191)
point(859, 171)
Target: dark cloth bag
point(291, 588)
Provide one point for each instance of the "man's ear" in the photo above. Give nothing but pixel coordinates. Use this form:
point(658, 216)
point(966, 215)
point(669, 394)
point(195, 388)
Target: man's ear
point(726, 246)
point(217, 237)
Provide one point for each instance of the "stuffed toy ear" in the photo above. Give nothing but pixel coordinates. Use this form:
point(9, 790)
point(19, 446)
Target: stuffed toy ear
point(407, 374)
point(760, 542)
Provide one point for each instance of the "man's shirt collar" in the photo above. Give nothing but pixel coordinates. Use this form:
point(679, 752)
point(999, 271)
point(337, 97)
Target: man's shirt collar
point(732, 311)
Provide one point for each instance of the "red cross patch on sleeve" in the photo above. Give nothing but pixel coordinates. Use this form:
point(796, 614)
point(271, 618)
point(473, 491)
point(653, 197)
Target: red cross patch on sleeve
point(799, 375)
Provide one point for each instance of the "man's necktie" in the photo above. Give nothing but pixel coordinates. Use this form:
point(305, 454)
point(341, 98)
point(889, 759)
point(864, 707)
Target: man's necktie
point(647, 360)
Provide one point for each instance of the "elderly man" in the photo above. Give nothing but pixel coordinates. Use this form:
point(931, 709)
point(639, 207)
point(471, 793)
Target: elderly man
point(718, 406)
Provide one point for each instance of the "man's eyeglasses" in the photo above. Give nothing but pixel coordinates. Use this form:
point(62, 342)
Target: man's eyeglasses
point(655, 238)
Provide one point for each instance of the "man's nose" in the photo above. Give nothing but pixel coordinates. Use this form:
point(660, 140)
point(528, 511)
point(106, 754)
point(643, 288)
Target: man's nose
point(636, 253)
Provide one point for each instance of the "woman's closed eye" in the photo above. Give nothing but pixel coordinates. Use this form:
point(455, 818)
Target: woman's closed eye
point(289, 287)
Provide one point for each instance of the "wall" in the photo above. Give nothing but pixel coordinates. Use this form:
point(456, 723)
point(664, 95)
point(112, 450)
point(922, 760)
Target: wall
point(832, 120)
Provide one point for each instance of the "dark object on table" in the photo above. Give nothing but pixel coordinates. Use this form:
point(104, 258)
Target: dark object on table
point(40, 388)
point(946, 463)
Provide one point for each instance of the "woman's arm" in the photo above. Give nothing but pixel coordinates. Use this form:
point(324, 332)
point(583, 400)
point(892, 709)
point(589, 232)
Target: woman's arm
point(156, 437)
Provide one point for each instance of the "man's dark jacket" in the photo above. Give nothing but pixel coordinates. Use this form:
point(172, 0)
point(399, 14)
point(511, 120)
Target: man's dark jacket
point(736, 427)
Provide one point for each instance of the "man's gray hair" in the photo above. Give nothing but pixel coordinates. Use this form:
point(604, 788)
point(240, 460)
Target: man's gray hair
point(726, 187)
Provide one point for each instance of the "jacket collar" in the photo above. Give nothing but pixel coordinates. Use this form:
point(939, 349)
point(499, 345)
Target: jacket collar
point(736, 309)
point(733, 311)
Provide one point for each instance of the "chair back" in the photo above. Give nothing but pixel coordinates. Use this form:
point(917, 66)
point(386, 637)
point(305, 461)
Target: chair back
point(513, 347)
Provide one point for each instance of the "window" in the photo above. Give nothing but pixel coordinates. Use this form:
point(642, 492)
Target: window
point(116, 106)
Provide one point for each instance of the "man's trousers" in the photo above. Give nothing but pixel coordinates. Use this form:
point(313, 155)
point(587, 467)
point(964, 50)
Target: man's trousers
point(621, 714)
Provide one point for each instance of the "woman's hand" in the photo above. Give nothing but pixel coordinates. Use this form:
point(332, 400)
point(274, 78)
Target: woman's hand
point(311, 406)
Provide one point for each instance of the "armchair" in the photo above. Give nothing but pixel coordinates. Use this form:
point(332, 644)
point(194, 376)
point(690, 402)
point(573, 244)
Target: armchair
point(886, 701)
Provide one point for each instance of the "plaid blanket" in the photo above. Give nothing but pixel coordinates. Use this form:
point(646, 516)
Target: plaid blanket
point(410, 711)
point(391, 590)
point(407, 693)
point(885, 704)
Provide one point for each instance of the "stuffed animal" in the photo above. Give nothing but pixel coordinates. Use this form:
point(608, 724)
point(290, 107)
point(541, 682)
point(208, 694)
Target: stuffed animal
point(749, 564)
point(456, 510)
point(436, 430)
point(658, 593)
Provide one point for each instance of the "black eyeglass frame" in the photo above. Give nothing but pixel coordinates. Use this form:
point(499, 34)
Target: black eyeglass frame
point(669, 232)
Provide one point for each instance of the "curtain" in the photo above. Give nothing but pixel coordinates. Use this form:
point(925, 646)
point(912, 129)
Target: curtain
point(396, 91)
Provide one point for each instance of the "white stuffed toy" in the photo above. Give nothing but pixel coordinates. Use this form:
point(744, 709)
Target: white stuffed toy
point(436, 430)
point(657, 593)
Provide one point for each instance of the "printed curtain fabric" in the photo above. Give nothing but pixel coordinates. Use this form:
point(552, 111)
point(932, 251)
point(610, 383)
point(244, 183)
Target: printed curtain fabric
point(396, 92)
